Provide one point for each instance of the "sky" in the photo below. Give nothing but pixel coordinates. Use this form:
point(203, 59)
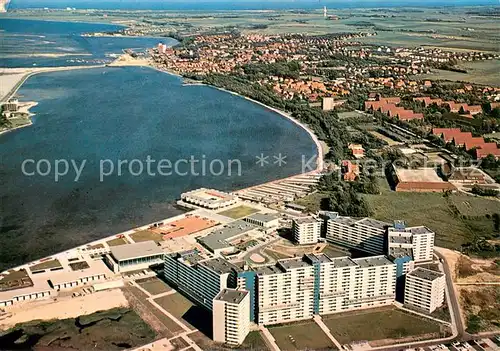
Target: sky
point(237, 4)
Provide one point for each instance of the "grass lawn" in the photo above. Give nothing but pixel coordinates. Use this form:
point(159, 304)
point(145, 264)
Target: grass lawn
point(176, 304)
point(254, 341)
point(239, 212)
point(145, 235)
point(300, 336)
point(312, 202)
point(432, 210)
point(117, 242)
point(378, 324)
point(474, 206)
point(333, 251)
point(46, 265)
point(153, 286)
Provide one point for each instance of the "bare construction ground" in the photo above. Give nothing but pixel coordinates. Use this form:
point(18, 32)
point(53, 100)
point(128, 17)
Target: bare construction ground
point(64, 308)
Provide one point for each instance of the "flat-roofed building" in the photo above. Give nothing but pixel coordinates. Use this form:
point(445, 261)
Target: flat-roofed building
point(130, 257)
point(199, 278)
point(218, 240)
point(417, 241)
point(306, 230)
point(420, 180)
point(346, 284)
point(208, 198)
point(364, 234)
point(285, 291)
point(266, 220)
point(231, 316)
point(96, 271)
point(40, 290)
point(424, 289)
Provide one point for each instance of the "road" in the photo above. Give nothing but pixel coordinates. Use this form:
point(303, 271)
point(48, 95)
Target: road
point(453, 298)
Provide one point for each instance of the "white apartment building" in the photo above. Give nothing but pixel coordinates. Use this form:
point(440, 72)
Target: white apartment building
point(348, 284)
point(285, 291)
point(231, 316)
point(201, 279)
point(417, 242)
point(424, 289)
point(306, 230)
point(363, 234)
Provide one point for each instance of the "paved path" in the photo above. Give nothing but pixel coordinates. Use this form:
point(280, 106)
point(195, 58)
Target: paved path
point(453, 304)
point(269, 339)
point(322, 325)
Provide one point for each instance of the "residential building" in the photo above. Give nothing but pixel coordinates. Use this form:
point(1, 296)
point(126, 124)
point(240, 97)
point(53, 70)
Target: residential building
point(419, 240)
point(200, 278)
point(231, 316)
point(364, 234)
point(285, 291)
point(306, 230)
point(347, 284)
point(424, 289)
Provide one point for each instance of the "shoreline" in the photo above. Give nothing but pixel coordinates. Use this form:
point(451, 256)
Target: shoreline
point(282, 114)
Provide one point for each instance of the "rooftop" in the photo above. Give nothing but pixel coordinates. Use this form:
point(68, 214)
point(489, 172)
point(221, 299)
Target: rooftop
point(137, 250)
point(397, 252)
point(426, 274)
point(208, 195)
point(220, 265)
point(268, 270)
point(264, 217)
point(303, 220)
point(293, 263)
point(428, 175)
point(373, 223)
point(343, 262)
point(218, 239)
point(372, 261)
point(231, 295)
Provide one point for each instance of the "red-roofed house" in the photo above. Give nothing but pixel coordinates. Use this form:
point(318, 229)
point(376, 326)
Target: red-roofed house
point(474, 109)
point(488, 149)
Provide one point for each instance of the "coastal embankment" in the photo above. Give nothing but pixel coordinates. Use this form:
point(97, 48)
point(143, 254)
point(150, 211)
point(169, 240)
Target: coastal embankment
point(11, 79)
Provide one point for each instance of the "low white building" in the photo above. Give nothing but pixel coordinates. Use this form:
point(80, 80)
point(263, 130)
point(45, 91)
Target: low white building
point(265, 220)
point(131, 257)
point(39, 291)
point(208, 198)
point(96, 271)
point(424, 289)
point(306, 230)
point(231, 316)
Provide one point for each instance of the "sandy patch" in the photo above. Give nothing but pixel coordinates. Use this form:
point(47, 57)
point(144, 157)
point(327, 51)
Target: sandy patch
point(64, 308)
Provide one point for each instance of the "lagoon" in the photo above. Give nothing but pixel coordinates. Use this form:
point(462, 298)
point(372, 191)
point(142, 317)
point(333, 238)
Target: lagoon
point(127, 113)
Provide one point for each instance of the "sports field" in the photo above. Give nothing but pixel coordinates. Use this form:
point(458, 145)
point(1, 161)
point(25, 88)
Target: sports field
point(239, 212)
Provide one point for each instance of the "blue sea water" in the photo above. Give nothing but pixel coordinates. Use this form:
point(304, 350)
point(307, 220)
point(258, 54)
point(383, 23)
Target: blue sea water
point(124, 114)
point(25, 42)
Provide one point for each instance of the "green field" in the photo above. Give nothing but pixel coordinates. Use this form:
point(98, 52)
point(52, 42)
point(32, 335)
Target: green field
point(117, 242)
point(145, 235)
point(436, 212)
point(370, 325)
point(46, 265)
point(312, 202)
point(479, 72)
point(300, 336)
point(176, 304)
point(254, 341)
point(154, 286)
point(239, 212)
